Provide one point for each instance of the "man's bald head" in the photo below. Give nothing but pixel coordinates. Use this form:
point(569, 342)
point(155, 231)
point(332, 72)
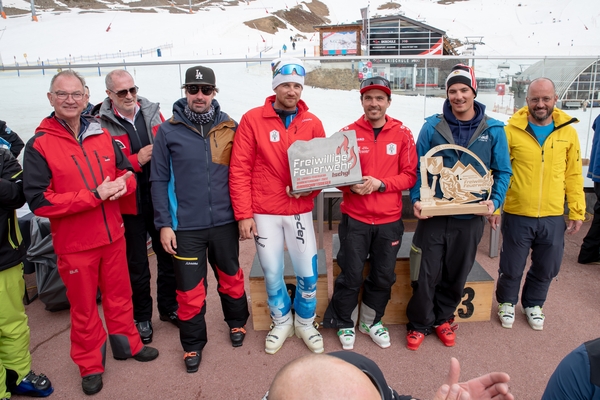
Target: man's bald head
point(320, 376)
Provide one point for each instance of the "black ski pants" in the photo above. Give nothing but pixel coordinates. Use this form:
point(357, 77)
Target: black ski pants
point(443, 252)
point(137, 228)
point(359, 241)
point(221, 245)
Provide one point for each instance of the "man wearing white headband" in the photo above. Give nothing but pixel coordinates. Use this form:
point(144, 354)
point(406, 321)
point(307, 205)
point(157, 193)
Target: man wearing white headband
point(259, 183)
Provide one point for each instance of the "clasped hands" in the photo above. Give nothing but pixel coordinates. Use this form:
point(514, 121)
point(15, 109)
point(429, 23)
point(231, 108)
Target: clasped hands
point(113, 190)
point(368, 186)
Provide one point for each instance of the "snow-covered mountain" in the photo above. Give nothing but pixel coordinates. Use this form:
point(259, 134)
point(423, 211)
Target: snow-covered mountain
point(508, 27)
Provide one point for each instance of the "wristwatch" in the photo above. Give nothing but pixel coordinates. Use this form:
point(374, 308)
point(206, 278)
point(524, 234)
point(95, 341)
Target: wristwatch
point(381, 188)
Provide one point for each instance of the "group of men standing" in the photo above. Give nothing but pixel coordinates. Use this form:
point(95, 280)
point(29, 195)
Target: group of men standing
point(199, 182)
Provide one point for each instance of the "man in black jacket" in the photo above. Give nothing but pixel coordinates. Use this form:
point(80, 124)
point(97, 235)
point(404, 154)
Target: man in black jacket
point(132, 121)
point(16, 376)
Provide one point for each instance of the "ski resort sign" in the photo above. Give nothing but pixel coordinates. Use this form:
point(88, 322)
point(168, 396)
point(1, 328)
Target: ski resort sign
point(324, 162)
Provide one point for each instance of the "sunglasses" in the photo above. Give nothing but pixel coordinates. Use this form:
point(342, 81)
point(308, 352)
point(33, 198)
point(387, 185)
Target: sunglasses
point(123, 93)
point(375, 81)
point(288, 69)
point(194, 89)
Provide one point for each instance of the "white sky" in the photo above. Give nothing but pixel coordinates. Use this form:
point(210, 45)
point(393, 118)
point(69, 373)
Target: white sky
point(510, 28)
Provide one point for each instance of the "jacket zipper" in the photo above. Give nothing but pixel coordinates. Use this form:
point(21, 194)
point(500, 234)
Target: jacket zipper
point(204, 140)
point(96, 185)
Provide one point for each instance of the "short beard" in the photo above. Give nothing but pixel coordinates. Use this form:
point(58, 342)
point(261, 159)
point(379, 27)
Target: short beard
point(544, 118)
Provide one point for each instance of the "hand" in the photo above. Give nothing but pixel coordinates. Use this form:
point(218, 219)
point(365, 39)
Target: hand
point(121, 184)
point(296, 195)
point(491, 386)
point(454, 392)
point(106, 189)
point(247, 228)
point(168, 240)
point(574, 226)
point(417, 211)
point(113, 189)
point(145, 154)
point(494, 221)
point(368, 186)
point(490, 207)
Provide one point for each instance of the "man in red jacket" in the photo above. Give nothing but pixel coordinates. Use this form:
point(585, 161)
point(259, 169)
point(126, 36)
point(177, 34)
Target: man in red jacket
point(259, 183)
point(371, 225)
point(74, 173)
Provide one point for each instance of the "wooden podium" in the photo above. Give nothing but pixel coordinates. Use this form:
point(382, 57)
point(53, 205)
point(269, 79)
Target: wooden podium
point(476, 303)
point(261, 318)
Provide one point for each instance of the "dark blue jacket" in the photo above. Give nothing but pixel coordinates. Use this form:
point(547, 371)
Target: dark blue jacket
point(190, 172)
point(577, 377)
point(594, 167)
point(488, 143)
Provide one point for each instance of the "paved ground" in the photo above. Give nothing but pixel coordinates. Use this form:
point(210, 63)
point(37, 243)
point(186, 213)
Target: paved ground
point(245, 373)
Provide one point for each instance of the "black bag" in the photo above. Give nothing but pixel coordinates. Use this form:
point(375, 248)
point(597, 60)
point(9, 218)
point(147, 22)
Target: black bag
point(51, 289)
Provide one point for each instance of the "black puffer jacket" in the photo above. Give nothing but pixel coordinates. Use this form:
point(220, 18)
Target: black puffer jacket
point(12, 249)
point(12, 139)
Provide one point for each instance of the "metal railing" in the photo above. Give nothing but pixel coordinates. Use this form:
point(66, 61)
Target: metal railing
point(25, 86)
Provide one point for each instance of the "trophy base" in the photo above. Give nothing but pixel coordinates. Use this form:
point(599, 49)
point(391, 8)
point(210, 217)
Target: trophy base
point(454, 209)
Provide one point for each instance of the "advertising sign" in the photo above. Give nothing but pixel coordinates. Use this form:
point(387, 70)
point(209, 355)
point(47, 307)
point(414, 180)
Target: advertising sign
point(339, 43)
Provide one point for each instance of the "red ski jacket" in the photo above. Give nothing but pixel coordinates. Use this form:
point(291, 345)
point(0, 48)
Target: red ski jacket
point(391, 158)
point(59, 174)
point(259, 170)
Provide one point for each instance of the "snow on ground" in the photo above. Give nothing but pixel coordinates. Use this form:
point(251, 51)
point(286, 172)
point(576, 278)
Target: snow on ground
point(511, 28)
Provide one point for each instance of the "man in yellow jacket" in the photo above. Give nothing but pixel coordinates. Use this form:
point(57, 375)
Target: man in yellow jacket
point(546, 162)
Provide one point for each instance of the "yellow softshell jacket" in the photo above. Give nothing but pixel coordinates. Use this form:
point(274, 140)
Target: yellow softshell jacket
point(543, 175)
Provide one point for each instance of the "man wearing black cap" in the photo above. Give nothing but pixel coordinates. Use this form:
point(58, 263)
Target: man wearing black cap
point(190, 191)
point(444, 247)
point(351, 376)
point(371, 211)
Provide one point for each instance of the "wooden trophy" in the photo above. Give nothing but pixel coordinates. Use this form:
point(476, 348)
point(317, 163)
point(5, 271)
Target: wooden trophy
point(458, 184)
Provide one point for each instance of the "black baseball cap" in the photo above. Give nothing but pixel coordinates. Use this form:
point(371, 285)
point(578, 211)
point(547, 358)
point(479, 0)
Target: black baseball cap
point(200, 75)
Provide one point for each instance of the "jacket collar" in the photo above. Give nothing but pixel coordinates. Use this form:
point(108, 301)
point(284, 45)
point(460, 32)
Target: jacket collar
point(561, 118)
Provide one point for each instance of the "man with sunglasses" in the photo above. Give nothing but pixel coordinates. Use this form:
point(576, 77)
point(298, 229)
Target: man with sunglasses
point(190, 190)
point(267, 212)
point(132, 121)
point(73, 174)
point(371, 225)
point(444, 247)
